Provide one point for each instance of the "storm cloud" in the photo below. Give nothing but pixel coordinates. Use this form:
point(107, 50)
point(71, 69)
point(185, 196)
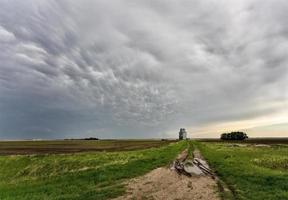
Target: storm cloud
point(116, 69)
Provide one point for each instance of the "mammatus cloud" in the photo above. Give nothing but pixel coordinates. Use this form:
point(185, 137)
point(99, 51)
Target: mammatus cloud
point(141, 68)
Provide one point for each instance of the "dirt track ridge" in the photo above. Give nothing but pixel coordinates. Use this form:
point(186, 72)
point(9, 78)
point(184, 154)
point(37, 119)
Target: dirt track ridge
point(165, 184)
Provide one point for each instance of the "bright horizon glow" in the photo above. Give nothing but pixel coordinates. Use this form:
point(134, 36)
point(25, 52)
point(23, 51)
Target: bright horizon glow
point(273, 125)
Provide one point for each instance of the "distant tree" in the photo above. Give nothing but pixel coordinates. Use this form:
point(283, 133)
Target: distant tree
point(236, 135)
point(91, 138)
point(223, 136)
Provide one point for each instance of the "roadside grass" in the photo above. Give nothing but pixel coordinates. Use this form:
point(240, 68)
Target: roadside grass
point(86, 176)
point(191, 149)
point(253, 173)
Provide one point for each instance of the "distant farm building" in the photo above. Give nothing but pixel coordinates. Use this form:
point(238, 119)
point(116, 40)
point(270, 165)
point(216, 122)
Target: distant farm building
point(182, 134)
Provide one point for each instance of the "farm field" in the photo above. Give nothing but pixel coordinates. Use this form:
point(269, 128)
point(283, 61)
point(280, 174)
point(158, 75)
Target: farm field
point(85, 175)
point(251, 171)
point(79, 169)
point(72, 146)
point(268, 141)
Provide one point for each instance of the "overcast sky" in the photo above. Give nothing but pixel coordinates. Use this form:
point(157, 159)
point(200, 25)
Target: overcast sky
point(143, 68)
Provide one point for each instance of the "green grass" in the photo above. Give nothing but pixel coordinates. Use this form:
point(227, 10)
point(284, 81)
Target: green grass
point(98, 175)
point(253, 173)
point(191, 149)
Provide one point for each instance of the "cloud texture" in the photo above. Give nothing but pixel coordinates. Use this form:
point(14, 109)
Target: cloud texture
point(139, 68)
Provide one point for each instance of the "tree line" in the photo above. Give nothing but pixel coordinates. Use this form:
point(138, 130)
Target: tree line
point(236, 135)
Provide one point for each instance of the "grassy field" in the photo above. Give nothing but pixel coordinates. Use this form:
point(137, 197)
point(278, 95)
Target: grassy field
point(89, 175)
point(251, 172)
point(99, 168)
point(72, 146)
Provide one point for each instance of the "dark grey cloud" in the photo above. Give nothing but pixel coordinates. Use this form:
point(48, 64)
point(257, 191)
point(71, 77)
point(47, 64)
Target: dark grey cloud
point(139, 68)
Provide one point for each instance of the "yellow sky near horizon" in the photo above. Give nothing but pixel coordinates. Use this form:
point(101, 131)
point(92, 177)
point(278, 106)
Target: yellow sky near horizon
point(273, 125)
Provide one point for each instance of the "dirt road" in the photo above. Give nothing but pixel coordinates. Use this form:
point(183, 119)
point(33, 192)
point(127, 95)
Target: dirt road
point(165, 184)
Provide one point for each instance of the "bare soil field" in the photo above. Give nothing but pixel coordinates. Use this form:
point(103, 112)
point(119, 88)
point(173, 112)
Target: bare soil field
point(74, 146)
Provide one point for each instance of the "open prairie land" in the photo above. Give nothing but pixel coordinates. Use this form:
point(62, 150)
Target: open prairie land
point(251, 170)
point(84, 175)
